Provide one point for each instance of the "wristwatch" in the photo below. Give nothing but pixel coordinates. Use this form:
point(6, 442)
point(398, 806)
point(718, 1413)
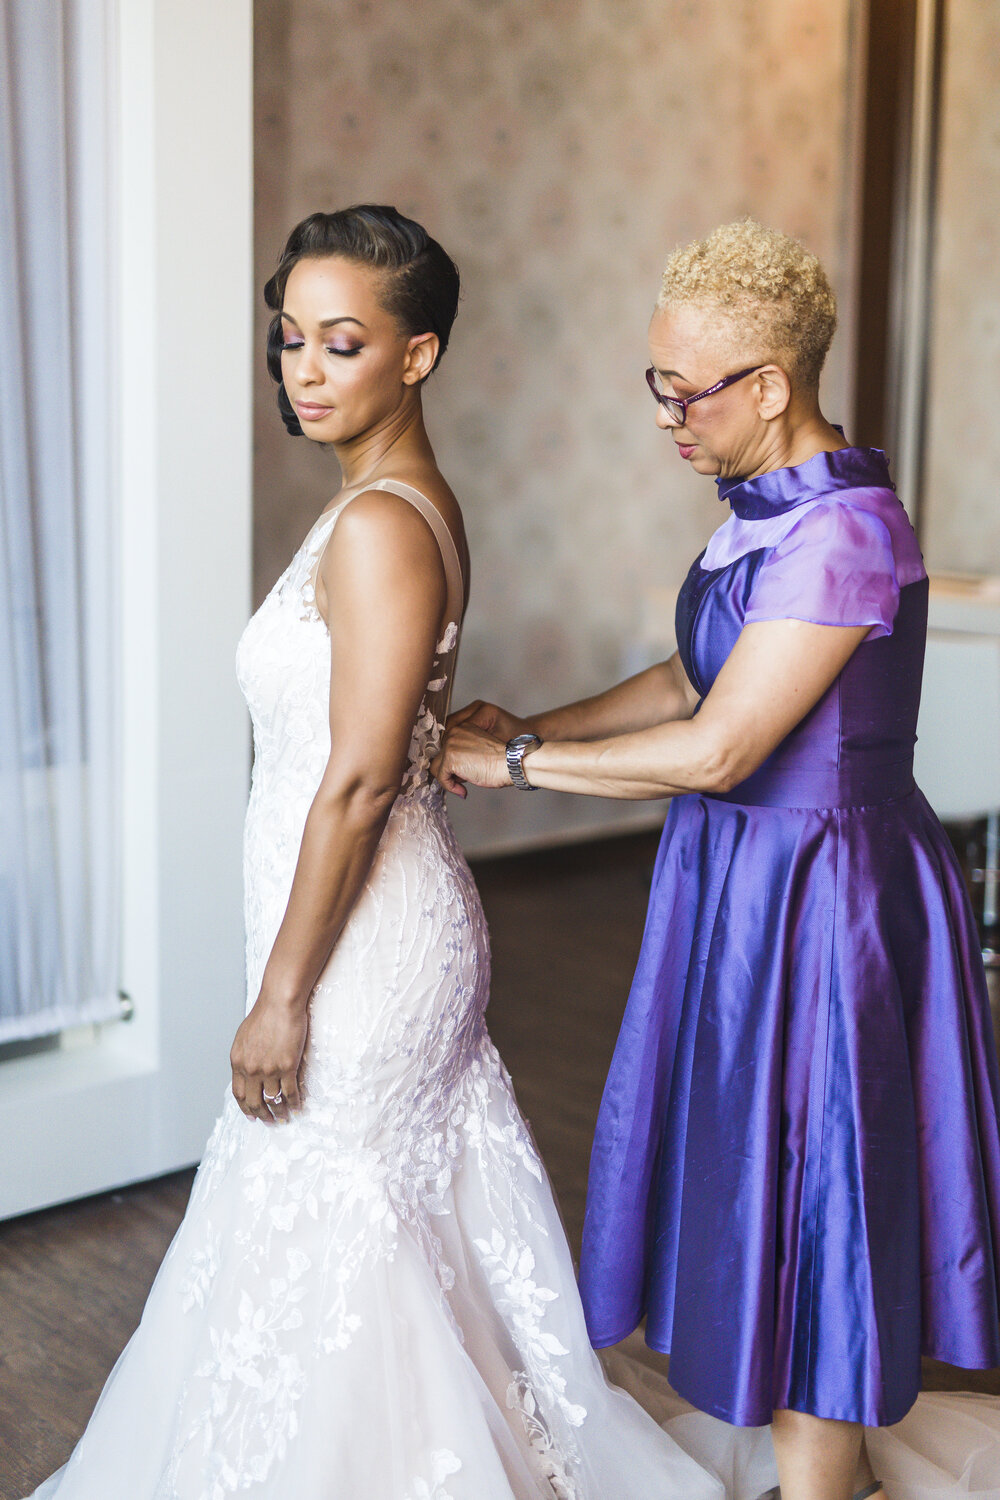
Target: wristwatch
point(517, 748)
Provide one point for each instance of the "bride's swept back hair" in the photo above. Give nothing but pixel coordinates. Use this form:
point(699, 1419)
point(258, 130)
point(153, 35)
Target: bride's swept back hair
point(419, 285)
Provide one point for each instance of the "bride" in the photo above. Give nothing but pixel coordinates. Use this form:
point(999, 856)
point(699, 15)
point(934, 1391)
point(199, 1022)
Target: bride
point(371, 1295)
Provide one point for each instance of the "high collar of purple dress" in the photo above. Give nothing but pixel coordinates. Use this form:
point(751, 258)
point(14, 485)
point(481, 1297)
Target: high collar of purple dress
point(782, 489)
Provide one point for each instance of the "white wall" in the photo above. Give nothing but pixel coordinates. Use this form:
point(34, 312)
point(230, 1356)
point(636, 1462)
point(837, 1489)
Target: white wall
point(140, 1098)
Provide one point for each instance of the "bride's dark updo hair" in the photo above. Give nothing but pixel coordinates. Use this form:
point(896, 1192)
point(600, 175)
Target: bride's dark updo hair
point(419, 281)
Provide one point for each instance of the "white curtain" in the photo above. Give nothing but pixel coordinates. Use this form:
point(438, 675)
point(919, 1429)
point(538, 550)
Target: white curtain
point(59, 843)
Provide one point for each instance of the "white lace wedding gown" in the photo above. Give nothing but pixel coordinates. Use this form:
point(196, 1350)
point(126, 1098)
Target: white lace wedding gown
point(376, 1301)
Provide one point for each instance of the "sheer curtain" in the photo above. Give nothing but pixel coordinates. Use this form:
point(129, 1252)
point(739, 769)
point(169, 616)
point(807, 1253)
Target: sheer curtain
point(58, 838)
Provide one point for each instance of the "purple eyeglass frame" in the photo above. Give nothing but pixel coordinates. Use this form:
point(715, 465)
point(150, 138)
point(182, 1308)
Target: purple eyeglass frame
point(674, 404)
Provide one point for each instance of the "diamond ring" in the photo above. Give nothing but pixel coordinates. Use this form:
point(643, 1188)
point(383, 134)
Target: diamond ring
point(272, 1098)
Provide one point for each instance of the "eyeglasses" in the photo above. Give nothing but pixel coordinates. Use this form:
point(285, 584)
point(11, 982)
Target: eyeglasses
point(675, 407)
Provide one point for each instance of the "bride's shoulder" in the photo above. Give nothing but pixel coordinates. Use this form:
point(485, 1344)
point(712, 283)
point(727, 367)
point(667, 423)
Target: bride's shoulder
point(381, 515)
point(380, 542)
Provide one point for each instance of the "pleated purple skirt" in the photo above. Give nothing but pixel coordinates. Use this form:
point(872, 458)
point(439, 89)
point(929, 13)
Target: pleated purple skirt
point(796, 1172)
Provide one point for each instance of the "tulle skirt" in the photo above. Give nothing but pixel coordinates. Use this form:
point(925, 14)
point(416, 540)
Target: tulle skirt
point(307, 1337)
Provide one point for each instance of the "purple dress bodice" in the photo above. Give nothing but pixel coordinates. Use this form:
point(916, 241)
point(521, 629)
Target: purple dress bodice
point(828, 542)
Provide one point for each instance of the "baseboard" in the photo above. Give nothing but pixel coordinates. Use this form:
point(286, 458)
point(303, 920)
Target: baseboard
point(588, 833)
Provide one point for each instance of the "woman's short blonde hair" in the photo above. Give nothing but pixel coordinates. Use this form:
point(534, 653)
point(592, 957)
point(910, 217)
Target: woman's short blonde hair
point(770, 289)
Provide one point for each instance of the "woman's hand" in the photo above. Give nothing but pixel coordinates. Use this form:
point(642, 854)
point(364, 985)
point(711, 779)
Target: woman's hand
point(491, 717)
point(266, 1056)
point(469, 753)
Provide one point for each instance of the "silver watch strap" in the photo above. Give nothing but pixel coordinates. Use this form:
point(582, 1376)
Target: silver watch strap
point(515, 753)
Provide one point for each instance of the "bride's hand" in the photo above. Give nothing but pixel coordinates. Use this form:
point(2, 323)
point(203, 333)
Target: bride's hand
point(470, 754)
point(266, 1056)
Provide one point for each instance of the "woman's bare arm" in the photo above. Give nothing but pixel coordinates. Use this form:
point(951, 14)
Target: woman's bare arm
point(659, 695)
point(383, 575)
point(777, 671)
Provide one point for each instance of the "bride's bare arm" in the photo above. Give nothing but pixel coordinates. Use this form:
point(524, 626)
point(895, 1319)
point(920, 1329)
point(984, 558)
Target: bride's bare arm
point(383, 577)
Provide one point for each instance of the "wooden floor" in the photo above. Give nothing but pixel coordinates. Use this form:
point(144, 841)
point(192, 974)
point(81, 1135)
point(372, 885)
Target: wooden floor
point(565, 927)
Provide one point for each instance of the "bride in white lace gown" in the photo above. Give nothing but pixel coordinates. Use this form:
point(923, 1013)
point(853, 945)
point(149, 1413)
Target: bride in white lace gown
point(370, 1296)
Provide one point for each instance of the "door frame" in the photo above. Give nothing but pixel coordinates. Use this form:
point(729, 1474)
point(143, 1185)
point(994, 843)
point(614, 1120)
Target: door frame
point(137, 1098)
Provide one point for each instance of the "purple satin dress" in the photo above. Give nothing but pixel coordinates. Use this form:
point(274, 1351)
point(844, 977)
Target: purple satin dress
point(796, 1171)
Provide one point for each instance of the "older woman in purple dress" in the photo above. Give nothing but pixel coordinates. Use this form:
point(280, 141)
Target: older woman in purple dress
point(796, 1174)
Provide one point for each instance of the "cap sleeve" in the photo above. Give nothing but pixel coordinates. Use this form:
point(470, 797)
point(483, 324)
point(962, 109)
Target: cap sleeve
point(834, 567)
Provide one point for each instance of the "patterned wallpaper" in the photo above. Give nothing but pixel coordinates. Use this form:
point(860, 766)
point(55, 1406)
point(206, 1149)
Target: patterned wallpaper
point(962, 518)
point(559, 149)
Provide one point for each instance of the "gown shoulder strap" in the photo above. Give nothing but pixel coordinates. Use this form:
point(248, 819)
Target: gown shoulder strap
point(455, 607)
point(322, 530)
point(445, 540)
